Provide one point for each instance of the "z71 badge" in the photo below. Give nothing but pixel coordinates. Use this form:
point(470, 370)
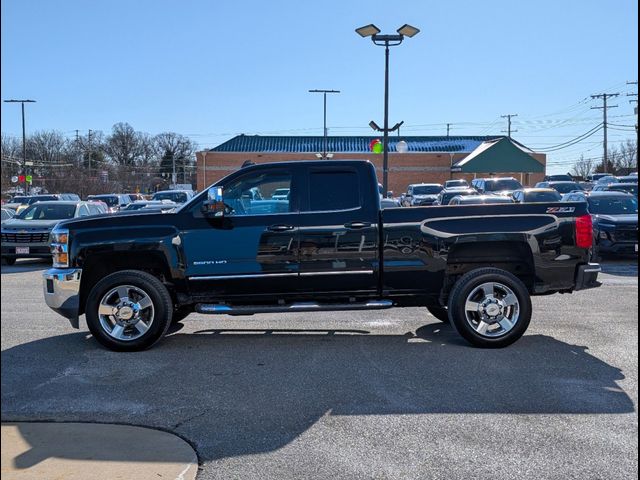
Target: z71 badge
point(561, 209)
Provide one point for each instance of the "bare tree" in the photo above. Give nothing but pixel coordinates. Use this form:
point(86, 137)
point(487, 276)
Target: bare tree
point(583, 167)
point(628, 158)
point(176, 149)
point(11, 149)
point(125, 146)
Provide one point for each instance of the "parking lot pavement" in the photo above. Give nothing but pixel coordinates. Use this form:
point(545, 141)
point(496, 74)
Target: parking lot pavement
point(385, 394)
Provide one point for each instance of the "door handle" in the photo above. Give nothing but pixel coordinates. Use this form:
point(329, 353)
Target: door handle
point(357, 225)
point(280, 228)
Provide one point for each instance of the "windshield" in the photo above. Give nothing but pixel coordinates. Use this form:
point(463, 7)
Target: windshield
point(110, 200)
point(543, 197)
point(48, 212)
point(136, 206)
point(456, 183)
point(613, 205)
point(566, 187)
point(558, 178)
point(20, 200)
point(178, 197)
point(427, 190)
point(504, 184)
point(624, 188)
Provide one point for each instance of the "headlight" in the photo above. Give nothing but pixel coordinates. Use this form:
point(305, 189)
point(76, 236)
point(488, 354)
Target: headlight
point(60, 247)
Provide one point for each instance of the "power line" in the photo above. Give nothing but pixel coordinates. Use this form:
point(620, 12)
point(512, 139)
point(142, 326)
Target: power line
point(571, 142)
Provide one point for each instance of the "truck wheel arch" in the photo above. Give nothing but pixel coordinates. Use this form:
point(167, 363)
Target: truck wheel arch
point(98, 266)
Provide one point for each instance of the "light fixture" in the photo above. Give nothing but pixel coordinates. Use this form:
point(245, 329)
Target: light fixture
point(375, 126)
point(408, 31)
point(368, 30)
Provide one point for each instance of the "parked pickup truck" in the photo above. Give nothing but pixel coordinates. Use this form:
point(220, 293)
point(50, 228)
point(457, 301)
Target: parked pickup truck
point(328, 246)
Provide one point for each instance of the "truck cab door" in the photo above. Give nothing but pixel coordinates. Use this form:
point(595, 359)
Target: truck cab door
point(338, 231)
point(253, 249)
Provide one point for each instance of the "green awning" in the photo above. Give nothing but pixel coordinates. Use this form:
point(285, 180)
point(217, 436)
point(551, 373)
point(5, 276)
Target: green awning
point(498, 156)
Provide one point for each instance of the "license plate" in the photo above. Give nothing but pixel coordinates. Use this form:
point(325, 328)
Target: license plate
point(22, 250)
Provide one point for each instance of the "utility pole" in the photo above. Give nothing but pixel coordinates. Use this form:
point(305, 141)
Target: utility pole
point(634, 100)
point(24, 142)
point(448, 126)
point(508, 117)
point(89, 148)
point(324, 94)
point(174, 177)
point(77, 148)
point(604, 97)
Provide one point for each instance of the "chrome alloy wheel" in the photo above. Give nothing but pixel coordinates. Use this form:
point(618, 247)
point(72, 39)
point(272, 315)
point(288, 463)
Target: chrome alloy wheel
point(125, 312)
point(492, 309)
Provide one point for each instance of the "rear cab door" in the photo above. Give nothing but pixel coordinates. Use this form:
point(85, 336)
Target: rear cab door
point(339, 215)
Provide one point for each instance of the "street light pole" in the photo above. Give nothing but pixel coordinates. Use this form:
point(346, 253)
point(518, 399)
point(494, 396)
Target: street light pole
point(324, 93)
point(386, 41)
point(385, 137)
point(24, 140)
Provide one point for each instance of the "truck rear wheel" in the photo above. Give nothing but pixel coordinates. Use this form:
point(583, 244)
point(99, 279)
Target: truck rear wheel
point(129, 310)
point(441, 313)
point(490, 308)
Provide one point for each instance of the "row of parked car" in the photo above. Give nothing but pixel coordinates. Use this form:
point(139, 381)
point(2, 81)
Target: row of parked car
point(613, 202)
point(27, 221)
point(506, 190)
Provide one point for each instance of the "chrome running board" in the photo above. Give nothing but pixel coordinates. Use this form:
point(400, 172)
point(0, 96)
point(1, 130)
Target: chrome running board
point(215, 308)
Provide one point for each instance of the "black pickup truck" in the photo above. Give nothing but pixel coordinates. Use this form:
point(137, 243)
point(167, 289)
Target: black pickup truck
point(327, 245)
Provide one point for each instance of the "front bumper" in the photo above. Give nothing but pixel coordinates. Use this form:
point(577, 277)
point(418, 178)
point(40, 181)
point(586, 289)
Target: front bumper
point(36, 250)
point(62, 292)
point(620, 248)
point(587, 276)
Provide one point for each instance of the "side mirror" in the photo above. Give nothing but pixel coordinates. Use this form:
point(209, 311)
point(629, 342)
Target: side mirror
point(213, 206)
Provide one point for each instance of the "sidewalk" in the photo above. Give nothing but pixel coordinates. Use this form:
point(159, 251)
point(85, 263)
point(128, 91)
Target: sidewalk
point(90, 451)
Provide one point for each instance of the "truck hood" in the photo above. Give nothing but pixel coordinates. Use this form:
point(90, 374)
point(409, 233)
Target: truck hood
point(29, 225)
point(624, 219)
point(113, 221)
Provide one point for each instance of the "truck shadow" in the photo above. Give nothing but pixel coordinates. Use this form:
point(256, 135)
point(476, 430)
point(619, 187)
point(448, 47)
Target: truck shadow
point(240, 392)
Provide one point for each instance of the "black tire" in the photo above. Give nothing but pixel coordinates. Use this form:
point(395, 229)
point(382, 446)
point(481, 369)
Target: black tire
point(180, 314)
point(161, 302)
point(9, 260)
point(466, 285)
point(441, 313)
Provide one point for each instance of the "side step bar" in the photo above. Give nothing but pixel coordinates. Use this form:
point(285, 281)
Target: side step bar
point(214, 309)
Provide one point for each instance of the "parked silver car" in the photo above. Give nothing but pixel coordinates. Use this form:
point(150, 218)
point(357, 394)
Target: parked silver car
point(27, 234)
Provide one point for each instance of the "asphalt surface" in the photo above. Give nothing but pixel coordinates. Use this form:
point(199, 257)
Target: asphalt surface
point(387, 395)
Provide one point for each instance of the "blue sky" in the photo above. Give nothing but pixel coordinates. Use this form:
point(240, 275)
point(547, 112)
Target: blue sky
point(211, 70)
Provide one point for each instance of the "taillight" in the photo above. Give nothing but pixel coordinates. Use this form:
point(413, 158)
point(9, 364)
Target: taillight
point(584, 231)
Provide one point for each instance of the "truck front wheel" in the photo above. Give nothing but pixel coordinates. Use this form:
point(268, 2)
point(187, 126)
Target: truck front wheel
point(490, 308)
point(441, 313)
point(129, 310)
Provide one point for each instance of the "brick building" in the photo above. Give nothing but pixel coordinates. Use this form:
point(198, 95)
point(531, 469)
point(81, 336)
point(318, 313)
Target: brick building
point(427, 159)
